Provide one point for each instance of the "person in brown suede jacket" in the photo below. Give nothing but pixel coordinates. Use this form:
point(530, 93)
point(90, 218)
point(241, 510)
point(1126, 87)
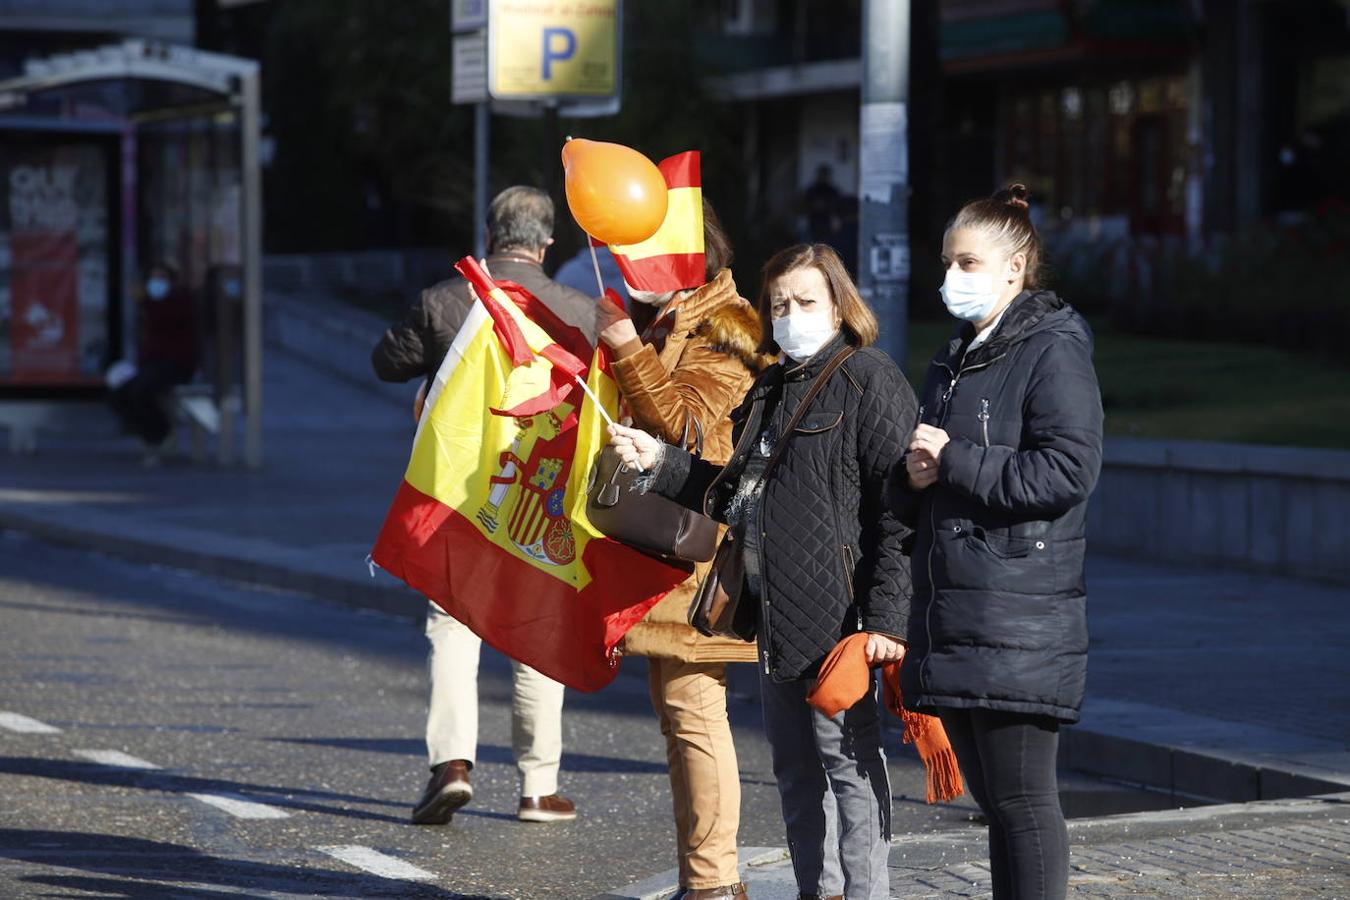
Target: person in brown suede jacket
point(690, 366)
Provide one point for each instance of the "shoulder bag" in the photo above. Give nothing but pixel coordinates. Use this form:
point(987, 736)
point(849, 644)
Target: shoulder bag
point(648, 522)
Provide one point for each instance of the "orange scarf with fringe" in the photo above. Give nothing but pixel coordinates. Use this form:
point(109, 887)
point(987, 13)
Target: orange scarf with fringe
point(842, 682)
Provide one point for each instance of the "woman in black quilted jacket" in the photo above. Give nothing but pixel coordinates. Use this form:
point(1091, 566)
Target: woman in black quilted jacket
point(822, 553)
point(995, 482)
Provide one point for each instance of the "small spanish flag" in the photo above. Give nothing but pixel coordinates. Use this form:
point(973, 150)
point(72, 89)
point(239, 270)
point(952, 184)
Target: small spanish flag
point(671, 259)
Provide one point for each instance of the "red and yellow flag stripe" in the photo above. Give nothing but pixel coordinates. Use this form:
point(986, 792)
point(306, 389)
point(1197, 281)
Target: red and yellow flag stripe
point(671, 259)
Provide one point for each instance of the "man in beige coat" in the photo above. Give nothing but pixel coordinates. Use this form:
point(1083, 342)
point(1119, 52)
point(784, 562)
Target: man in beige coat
point(689, 368)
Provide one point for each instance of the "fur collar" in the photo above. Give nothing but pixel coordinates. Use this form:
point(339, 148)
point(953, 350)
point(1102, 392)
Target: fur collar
point(728, 322)
point(734, 329)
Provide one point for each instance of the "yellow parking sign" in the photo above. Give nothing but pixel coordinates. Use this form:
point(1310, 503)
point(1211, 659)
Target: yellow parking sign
point(553, 48)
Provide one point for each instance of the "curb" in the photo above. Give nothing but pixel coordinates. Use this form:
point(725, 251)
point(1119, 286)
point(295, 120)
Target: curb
point(276, 568)
point(1191, 773)
point(1187, 773)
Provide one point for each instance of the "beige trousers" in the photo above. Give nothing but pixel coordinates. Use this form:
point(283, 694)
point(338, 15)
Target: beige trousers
point(452, 715)
point(691, 703)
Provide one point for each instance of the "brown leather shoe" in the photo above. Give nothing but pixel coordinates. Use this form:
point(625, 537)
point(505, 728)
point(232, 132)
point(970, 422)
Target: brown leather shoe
point(739, 889)
point(447, 791)
point(553, 808)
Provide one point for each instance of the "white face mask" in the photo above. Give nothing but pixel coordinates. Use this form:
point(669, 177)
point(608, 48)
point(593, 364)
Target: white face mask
point(969, 295)
point(801, 335)
point(157, 288)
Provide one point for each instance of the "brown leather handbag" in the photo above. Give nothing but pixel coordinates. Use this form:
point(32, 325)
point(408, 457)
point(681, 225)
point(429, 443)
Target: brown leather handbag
point(648, 522)
point(717, 609)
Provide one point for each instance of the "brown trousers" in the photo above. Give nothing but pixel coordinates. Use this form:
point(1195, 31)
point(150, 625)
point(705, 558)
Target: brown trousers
point(690, 699)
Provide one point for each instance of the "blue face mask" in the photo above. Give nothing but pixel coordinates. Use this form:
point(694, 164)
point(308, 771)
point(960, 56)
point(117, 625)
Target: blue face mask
point(157, 288)
point(969, 295)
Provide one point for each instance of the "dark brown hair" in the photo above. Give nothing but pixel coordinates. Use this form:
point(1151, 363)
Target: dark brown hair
point(1006, 219)
point(717, 254)
point(856, 317)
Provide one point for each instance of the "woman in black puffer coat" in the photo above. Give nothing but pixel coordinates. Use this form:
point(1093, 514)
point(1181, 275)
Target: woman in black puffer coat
point(824, 556)
point(995, 483)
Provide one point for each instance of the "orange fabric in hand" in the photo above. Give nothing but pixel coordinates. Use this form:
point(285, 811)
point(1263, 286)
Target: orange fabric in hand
point(844, 680)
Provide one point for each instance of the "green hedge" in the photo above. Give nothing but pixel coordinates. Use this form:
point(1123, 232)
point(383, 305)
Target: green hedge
point(1285, 286)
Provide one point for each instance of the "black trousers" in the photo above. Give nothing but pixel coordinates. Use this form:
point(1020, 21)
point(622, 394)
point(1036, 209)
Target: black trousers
point(1008, 762)
point(141, 401)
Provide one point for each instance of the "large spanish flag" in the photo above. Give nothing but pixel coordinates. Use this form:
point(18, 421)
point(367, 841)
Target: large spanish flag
point(671, 259)
point(490, 521)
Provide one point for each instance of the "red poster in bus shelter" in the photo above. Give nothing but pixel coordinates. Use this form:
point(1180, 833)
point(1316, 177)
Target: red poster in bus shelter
point(44, 307)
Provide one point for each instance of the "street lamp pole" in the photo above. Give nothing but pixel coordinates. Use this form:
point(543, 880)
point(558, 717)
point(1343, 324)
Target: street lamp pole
point(883, 209)
point(481, 120)
point(250, 162)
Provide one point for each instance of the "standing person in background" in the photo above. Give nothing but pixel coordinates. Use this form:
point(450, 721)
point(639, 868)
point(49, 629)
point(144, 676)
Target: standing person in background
point(578, 272)
point(995, 482)
point(167, 355)
point(692, 363)
point(519, 230)
point(820, 204)
point(823, 557)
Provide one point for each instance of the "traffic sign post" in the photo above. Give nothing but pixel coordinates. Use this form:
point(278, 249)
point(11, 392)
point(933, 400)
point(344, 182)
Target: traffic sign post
point(533, 57)
point(546, 50)
point(468, 67)
point(468, 15)
point(468, 84)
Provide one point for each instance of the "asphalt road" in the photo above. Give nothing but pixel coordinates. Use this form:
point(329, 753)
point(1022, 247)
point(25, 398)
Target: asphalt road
point(164, 734)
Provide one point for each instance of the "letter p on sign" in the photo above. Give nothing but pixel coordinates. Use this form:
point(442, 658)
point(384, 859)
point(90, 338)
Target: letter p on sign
point(560, 44)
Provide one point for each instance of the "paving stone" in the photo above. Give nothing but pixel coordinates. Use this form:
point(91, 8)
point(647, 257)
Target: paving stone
point(1295, 861)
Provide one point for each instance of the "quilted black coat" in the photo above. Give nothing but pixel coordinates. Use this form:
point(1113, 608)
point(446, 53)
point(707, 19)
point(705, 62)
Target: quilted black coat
point(829, 556)
point(999, 613)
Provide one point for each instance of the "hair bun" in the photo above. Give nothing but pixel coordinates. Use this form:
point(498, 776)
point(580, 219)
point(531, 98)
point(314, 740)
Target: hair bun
point(1014, 195)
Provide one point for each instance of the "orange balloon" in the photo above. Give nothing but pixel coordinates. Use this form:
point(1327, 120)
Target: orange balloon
point(616, 194)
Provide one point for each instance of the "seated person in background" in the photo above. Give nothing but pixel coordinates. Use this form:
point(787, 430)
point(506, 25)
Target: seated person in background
point(167, 354)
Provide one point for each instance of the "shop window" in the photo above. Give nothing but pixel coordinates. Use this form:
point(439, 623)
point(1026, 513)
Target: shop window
point(1112, 149)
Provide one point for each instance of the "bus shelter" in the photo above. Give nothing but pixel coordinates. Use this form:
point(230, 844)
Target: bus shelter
point(113, 160)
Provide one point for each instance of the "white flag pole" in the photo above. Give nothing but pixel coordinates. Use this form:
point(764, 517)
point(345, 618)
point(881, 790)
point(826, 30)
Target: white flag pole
point(594, 399)
point(595, 262)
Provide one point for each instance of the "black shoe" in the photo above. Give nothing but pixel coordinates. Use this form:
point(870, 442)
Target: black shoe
point(447, 791)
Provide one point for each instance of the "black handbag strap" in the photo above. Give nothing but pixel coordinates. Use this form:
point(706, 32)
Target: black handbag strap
point(691, 421)
point(816, 387)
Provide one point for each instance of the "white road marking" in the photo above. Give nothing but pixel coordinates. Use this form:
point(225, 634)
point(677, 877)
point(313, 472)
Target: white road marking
point(377, 863)
point(241, 808)
point(115, 758)
point(12, 721)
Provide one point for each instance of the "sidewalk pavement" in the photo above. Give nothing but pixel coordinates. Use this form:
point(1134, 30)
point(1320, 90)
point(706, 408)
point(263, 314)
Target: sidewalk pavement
point(1286, 849)
point(1208, 684)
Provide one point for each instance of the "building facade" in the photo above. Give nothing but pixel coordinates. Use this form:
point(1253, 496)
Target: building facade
point(1145, 128)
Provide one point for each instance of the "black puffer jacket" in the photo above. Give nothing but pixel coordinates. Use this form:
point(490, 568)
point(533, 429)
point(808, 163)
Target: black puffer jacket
point(828, 553)
point(999, 613)
point(417, 345)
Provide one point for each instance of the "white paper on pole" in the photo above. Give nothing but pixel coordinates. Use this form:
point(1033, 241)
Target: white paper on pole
point(883, 156)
